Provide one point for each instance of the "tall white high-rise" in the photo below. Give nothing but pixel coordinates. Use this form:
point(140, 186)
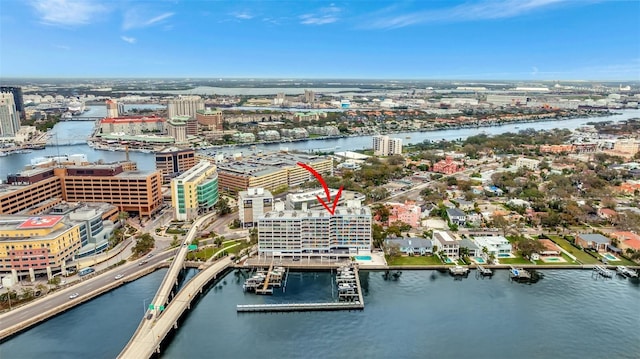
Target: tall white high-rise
point(185, 106)
point(385, 146)
point(9, 117)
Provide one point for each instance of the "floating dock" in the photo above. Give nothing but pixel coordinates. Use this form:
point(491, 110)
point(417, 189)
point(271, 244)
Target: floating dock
point(299, 307)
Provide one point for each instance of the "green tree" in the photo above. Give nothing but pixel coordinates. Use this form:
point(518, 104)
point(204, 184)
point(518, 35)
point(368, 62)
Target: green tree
point(144, 243)
point(253, 235)
point(222, 206)
point(527, 246)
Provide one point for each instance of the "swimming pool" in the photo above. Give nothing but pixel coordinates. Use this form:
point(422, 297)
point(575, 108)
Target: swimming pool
point(362, 258)
point(479, 260)
point(553, 259)
point(504, 255)
point(448, 260)
point(610, 257)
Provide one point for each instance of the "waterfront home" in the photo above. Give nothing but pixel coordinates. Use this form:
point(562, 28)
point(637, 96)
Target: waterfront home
point(593, 241)
point(446, 243)
point(412, 246)
point(550, 248)
point(472, 248)
point(456, 216)
point(627, 240)
point(499, 246)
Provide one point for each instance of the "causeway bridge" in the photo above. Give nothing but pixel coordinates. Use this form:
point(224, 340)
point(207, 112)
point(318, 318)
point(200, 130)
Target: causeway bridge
point(159, 307)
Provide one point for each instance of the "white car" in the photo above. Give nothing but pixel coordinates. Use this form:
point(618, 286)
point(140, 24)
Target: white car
point(74, 295)
point(119, 276)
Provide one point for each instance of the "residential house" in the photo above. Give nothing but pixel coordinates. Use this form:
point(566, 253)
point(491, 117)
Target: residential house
point(593, 240)
point(412, 246)
point(550, 248)
point(465, 205)
point(407, 212)
point(447, 166)
point(472, 248)
point(496, 245)
point(627, 240)
point(609, 214)
point(447, 243)
point(456, 216)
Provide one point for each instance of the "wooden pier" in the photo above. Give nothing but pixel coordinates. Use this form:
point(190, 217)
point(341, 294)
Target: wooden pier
point(601, 271)
point(484, 272)
point(299, 307)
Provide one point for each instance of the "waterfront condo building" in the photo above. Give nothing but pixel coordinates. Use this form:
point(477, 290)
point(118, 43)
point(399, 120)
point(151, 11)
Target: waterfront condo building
point(195, 191)
point(184, 106)
point(315, 233)
point(253, 204)
point(210, 119)
point(385, 146)
point(172, 162)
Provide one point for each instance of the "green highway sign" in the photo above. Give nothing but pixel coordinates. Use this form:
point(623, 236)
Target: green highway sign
point(151, 307)
point(161, 308)
point(193, 247)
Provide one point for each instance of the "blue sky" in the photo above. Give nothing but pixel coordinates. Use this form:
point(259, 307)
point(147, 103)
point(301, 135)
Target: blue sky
point(484, 39)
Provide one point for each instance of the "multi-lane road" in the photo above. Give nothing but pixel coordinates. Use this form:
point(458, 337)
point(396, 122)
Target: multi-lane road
point(29, 314)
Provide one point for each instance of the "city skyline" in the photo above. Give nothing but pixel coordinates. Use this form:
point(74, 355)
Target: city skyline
point(491, 40)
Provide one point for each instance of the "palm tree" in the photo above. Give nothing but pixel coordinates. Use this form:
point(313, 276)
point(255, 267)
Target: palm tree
point(122, 218)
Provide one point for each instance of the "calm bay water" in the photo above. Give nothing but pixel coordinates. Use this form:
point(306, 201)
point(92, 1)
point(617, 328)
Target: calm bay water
point(424, 314)
point(568, 314)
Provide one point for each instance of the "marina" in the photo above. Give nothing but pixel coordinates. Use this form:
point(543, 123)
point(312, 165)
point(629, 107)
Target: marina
point(347, 286)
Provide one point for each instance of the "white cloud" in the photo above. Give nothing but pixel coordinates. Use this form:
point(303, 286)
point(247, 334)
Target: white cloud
point(67, 12)
point(325, 15)
point(242, 15)
point(131, 40)
point(133, 19)
point(471, 11)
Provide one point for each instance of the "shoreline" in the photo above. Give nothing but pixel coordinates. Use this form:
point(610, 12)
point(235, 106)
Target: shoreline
point(99, 144)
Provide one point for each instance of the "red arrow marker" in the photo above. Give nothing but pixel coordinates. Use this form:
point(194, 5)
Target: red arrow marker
point(318, 176)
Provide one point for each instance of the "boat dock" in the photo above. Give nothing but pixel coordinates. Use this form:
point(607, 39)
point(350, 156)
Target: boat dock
point(626, 272)
point(484, 272)
point(601, 271)
point(458, 270)
point(519, 274)
point(347, 281)
point(299, 307)
point(263, 282)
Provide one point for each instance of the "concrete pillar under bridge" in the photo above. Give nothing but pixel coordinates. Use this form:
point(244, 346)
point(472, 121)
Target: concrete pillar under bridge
point(14, 276)
point(49, 274)
point(32, 275)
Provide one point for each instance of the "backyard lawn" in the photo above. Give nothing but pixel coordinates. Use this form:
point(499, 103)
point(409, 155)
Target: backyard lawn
point(583, 257)
point(413, 260)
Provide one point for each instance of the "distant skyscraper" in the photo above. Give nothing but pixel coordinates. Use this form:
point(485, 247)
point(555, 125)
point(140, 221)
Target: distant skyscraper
point(112, 109)
point(185, 106)
point(309, 96)
point(17, 98)
point(385, 146)
point(9, 117)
